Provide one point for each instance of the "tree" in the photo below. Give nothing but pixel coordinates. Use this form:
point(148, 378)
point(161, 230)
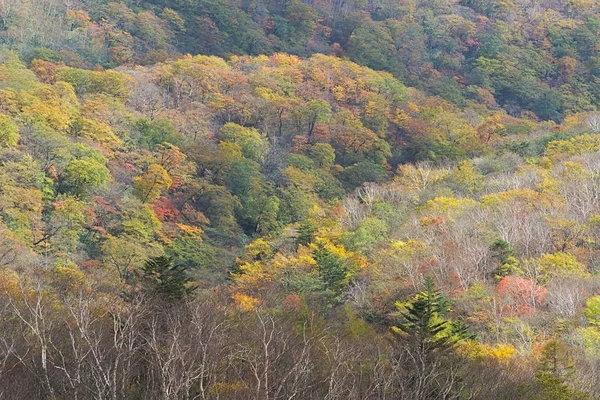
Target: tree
point(254, 145)
point(314, 112)
point(85, 171)
point(167, 279)
point(553, 374)
point(370, 232)
point(306, 233)
point(592, 311)
point(9, 132)
point(322, 154)
point(466, 176)
point(361, 172)
point(422, 317)
point(334, 268)
point(149, 186)
point(125, 254)
point(425, 342)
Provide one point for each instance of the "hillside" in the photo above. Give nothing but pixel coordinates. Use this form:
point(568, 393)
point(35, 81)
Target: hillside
point(524, 56)
point(223, 200)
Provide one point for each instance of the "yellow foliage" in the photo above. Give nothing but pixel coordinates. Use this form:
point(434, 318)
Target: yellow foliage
point(9, 281)
point(68, 278)
point(149, 186)
point(413, 107)
point(282, 59)
point(99, 132)
point(466, 175)
point(55, 106)
point(252, 276)
point(561, 263)
point(574, 171)
point(256, 251)
point(9, 131)
point(545, 162)
point(590, 338)
point(588, 143)
point(93, 126)
point(409, 249)
point(450, 207)
point(557, 264)
point(9, 100)
point(421, 176)
point(482, 352)
point(525, 196)
point(190, 230)
point(226, 389)
point(245, 303)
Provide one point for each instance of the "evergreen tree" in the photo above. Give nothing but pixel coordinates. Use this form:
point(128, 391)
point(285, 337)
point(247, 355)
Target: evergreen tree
point(306, 233)
point(167, 278)
point(556, 367)
point(424, 344)
point(333, 269)
point(422, 318)
point(460, 330)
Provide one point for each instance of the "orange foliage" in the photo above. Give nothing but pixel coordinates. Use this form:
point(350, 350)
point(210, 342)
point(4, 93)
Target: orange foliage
point(519, 295)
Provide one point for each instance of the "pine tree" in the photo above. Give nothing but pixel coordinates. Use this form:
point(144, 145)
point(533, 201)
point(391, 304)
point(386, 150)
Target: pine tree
point(168, 279)
point(555, 370)
point(422, 319)
point(306, 233)
point(424, 343)
point(332, 268)
point(460, 330)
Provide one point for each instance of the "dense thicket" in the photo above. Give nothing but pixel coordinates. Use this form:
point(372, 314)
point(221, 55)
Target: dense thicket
point(265, 221)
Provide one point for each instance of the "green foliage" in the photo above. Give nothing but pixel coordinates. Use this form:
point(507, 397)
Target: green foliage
point(46, 54)
point(103, 170)
point(254, 146)
point(504, 256)
point(361, 172)
point(306, 233)
point(554, 372)
point(333, 269)
point(194, 254)
point(301, 162)
point(85, 172)
point(154, 133)
point(322, 154)
point(86, 82)
point(592, 311)
point(9, 132)
point(422, 318)
point(368, 234)
point(141, 223)
point(167, 279)
point(315, 111)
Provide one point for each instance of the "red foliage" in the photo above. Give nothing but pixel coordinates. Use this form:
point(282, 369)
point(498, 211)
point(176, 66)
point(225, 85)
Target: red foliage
point(300, 143)
point(177, 182)
point(518, 296)
point(91, 265)
point(165, 210)
point(292, 302)
point(321, 134)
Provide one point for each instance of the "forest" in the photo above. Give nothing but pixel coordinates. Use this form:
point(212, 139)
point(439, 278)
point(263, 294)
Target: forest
point(289, 199)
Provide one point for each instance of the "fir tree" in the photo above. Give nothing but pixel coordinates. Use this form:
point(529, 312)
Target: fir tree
point(306, 233)
point(332, 268)
point(168, 279)
point(421, 318)
point(424, 343)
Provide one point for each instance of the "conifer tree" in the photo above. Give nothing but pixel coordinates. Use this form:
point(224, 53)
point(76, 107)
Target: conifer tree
point(424, 344)
point(166, 278)
point(422, 318)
